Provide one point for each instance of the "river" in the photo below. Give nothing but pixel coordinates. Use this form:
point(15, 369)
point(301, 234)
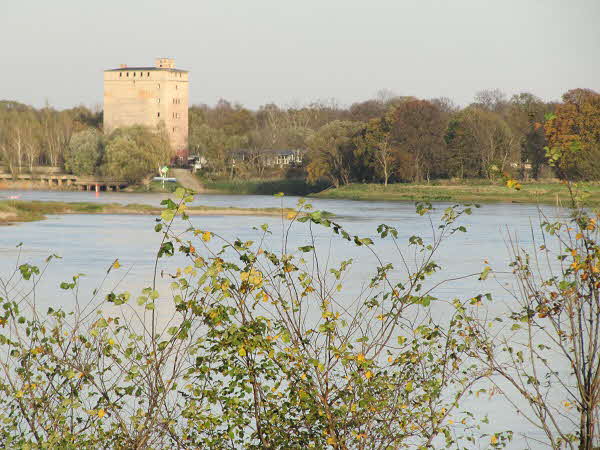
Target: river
point(89, 244)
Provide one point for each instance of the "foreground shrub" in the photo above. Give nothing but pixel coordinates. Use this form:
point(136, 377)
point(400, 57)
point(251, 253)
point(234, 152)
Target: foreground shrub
point(252, 347)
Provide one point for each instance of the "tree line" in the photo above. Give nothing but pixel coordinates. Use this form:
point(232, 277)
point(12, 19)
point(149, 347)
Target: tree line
point(405, 139)
point(73, 140)
point(387, 139)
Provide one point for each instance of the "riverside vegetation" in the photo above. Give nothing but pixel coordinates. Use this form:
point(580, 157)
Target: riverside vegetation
point(389, 140)
point(257, 348)
point(542, 193)
point(27, 211)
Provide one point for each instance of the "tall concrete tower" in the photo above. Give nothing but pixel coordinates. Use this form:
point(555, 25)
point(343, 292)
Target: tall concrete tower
point(149, 96)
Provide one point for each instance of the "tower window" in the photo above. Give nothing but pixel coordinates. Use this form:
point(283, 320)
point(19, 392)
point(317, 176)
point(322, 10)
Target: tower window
point(127, 73)
point(134, 74)
point(157, 114)
point(120, 74)
point(148, 73)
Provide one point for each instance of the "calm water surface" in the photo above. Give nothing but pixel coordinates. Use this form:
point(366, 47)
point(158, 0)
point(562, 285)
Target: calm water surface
point(89, 244)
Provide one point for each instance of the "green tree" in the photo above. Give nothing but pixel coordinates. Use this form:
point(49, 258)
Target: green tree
point(375, 146)
point(482, 141)
point(85, 152)
point(216, 146)
point(135, 152)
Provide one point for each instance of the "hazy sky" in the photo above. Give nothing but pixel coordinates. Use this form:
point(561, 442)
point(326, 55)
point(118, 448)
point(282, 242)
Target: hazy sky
point(284, 51)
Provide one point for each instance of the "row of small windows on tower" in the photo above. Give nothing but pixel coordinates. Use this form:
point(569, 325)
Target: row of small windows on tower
point(141, 75)
point(177, 101)
point(134, 74)
point(175, 115)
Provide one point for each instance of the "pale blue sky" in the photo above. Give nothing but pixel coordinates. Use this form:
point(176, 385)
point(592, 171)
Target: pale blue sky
point(283, 51)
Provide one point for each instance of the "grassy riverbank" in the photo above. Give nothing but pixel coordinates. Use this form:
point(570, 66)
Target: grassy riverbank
point(28, 211)
point(546, 193)
point(155, 187)
point(289, 186)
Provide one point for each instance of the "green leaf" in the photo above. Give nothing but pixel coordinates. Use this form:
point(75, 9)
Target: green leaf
point(167, 215)
point(485, 273)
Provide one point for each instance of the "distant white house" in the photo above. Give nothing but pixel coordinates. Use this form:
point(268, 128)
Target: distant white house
point(282, 158)
point(269, 157)
point(197, 162)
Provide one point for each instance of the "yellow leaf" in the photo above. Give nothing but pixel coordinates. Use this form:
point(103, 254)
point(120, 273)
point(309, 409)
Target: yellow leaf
point(369, 374)
point(291, 215)
point(116, 264)
point(242, 351)
point(101, 413)
point(331, 440)
point(494, 439)
point(111, 342)
point(579, 236)
point(360, 357)
point(206, 236)
point(19, 394)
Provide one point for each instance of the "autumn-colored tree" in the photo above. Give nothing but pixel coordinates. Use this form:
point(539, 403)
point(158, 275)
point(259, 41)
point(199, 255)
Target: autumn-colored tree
point(573, 135)
point(332, 152)
point(418, 128)
point(367, 110)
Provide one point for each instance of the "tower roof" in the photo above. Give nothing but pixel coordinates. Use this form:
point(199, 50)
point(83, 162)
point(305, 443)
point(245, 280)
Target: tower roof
point(159, 64)
point(144, 69)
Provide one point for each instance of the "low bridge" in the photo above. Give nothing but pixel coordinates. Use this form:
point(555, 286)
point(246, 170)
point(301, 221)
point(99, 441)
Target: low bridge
point(83, 183)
